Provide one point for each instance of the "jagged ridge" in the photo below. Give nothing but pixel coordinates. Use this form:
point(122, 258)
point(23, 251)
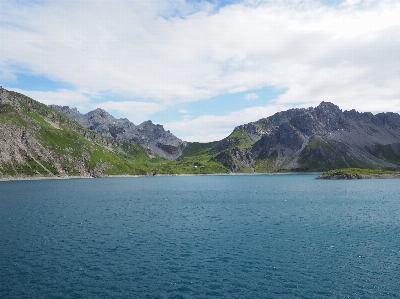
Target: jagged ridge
point(149, 135)
point(314, 139)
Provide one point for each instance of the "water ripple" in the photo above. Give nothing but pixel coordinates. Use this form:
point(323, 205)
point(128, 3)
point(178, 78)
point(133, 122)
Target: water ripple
point(200, 237)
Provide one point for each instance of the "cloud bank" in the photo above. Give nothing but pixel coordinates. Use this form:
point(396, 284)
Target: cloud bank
point(167, 53)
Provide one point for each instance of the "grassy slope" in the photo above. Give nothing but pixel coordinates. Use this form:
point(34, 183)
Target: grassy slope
point(240, 138)
point(197, 159)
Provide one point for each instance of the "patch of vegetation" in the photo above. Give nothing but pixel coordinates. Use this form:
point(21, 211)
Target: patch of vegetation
point(39, 119)
point(5, 109)
point(263, 123)
point(240, 139)
point(319, 157)
point(317, 143)
point(25, 169)
point(197, 164)
point(363, 171)
point(35, 167)
point(265, 165)
point(198, 148)
point(9, 115)
point(242, 167)
point(133, 152)
point(266, 162)
point(318, 164)
point(390, 152)
point(49, 167)
point(7, 169)
point(114, 164)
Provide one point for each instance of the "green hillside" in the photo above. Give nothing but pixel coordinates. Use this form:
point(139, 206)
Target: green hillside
point(40, 141)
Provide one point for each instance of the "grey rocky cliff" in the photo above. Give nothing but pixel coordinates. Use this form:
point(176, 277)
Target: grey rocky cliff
point(314, 139)
point(151, 136)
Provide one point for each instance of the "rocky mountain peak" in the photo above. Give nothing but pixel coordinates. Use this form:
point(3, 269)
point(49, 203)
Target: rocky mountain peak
point(328, 106)
point(100, 118)
point(149, 135)
point(100, 113)
point(314, 139)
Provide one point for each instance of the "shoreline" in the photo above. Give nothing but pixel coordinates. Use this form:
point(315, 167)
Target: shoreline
point(40, 178)
point(318, 174)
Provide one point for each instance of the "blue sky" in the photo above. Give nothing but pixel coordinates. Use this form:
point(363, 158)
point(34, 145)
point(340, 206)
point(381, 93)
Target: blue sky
point(201, 68)
point(24, 80)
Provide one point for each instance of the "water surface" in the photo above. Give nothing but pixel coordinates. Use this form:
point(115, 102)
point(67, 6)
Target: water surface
point(264, 236)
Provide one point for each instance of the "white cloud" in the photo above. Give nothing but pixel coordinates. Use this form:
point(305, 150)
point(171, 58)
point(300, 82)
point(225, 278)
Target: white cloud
point(175, 51)
point(7, 76)
point(137, 112)
point(125, 46)
point(212, 127)
point(183, 111)
point(187, 117)
point(251, 97)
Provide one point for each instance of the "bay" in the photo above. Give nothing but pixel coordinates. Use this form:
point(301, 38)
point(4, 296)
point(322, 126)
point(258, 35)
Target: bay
point(241, 236)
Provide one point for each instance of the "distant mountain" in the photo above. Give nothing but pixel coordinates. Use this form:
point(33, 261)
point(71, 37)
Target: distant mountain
point(147, 134)
point(313, 139)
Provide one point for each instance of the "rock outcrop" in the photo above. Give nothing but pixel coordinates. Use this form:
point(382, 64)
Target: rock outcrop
point(150, 136)
point(314, 139)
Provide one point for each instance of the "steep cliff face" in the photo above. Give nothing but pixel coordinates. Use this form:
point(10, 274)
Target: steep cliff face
point(149, 135)
point(314, 139)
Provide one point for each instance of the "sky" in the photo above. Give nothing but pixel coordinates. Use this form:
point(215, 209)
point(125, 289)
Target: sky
point(201, 68)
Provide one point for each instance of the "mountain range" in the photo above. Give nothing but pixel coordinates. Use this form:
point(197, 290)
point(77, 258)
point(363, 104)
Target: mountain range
point(314, 139)
point(39, 140)
point(147, 134)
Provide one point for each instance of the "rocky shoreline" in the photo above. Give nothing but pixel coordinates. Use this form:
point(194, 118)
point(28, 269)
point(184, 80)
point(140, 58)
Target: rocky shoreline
point(358, 176)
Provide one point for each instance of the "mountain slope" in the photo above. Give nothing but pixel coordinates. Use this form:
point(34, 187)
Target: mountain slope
point(313, 139)
point(147, 134)
point(36, 140)
point(39, 141)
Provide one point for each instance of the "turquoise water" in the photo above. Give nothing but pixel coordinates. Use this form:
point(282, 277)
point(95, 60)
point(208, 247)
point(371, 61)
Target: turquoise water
point(266, 236)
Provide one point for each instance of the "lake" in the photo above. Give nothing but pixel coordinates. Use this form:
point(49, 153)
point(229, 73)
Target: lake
point(239, 236)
